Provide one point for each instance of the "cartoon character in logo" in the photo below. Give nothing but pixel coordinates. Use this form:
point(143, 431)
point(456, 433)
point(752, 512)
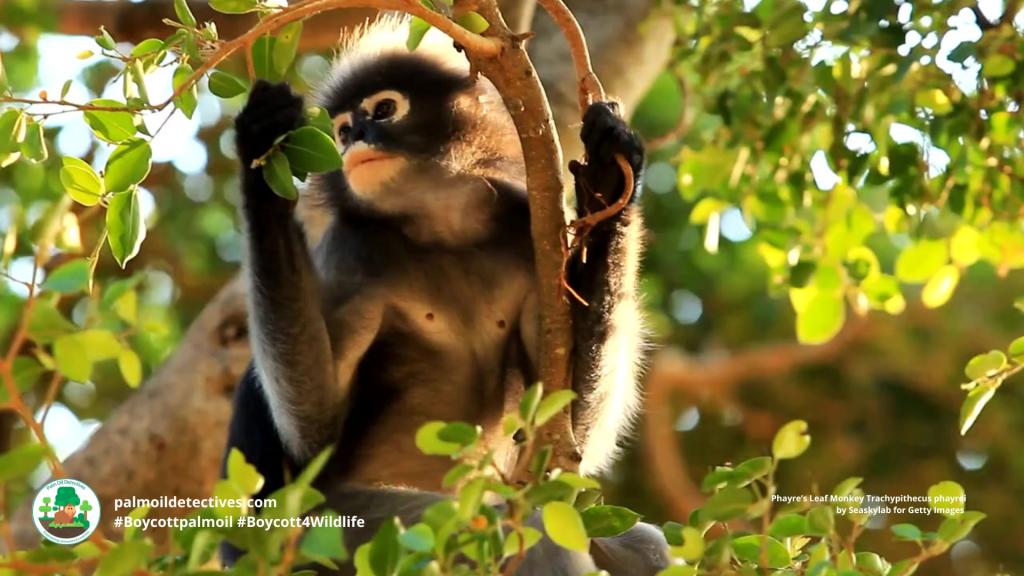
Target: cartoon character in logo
point(70, 505)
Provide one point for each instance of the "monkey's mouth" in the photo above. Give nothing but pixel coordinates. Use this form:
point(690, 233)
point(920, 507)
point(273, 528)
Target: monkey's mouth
point(365, 157)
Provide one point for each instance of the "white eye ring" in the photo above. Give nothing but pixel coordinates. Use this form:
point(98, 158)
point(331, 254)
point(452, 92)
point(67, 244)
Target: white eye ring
point(369, 104)
point(342, 124)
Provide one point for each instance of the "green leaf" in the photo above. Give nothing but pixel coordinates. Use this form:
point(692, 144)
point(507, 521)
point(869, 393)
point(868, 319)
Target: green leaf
point(310, 150)
point(459, 433)
point(124, 559)
point(906, 531)
point(98, 344)
point(104, 40)
point(13, 128)
point(565, 527)
point(998, 65)
point(940, 287)
point(934, 99)
point(242, 474)
point(225, 85)
point(957, 528)
point(973, 405)
point(184, 13)
point(751, 470)
point(128, 165)
point(320, 119)
point(986, 364)
point(428, 441)
point(1016, 350)
point(872, 564)
point(147, 47)
point(456, 474)
point(34, 147)
point(516, 543)
point(470, 497)
point(278, 174)
point(553, 404)
point(418, 538)
point(263, 58)
point(726, 504)
point(821, 318)
point(418, 28)
point(286, 46)
point(19, 462)
point(820, 521)
point(125, 227)
point(72, 361)
point(754, 547)
point(234, 6)
point(110, 126)
point(791, 440)
point(945, 496)
point(787, 526)
point(965, 246)
point(188, 100)
point(920, 261)
point(530, 401)
point(324, 542)
point(847, 486)
point(130, 366)
point(385, 551)
point(473, 22)
point(69, 278)
point(702, 212)
point(606, 521)
point(688, 544)
point(82, 183)
point(47, 323)
point(577, 481)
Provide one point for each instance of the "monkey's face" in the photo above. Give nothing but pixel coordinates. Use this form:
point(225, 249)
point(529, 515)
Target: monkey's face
point(392, 121)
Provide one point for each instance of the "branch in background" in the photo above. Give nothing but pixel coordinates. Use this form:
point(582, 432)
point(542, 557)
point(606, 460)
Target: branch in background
point(714, 382)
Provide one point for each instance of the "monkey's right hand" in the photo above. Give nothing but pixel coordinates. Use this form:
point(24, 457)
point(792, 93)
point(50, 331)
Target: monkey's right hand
point(272, 111)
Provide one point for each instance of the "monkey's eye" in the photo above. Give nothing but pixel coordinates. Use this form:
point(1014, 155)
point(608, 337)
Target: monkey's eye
point(384, 109)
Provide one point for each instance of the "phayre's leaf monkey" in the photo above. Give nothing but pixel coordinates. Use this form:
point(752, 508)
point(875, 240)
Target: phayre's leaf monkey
point(419, 302)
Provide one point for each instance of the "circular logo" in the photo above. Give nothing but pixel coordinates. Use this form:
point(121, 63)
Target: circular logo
point(66, 511)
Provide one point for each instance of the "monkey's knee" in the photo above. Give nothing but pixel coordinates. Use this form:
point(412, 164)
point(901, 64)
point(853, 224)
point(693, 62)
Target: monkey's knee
point(640, 551)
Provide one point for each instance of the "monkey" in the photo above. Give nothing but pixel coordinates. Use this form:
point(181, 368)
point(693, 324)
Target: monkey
point(418, 302)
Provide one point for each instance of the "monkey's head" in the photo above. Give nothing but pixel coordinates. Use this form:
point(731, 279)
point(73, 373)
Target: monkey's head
point(406, 121)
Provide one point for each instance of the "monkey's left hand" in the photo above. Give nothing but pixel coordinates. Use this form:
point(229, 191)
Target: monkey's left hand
point(600, 181)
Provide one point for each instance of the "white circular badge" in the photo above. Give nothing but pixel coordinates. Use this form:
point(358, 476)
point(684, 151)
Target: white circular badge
point(66, 511)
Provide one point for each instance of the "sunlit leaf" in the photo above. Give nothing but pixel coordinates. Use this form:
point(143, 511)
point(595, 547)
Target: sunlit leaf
point(791, 440)
point(940, 287)
point(188, 100)
point(127, 165)
point(184, 13)
point(418, 28)
point(80, 181)
point(565, 527)
point(125, 227)
point(110, 126)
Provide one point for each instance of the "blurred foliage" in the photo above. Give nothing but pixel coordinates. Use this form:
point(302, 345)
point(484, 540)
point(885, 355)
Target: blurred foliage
point(811, 163)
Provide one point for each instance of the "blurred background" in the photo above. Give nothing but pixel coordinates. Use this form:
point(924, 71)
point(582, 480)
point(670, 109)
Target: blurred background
point(771, 126)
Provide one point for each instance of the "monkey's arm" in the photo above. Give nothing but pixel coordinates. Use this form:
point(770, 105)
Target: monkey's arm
point(603, 269)
point(291, 348)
